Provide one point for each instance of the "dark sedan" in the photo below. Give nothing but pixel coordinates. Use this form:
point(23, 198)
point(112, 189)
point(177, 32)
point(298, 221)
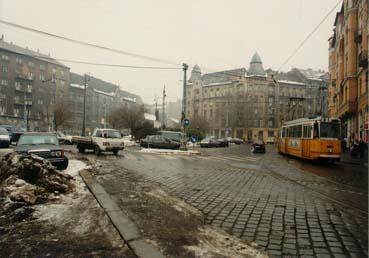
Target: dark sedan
point(209, 143)
point(44, 145)
point(159, 141)
point(258, 146)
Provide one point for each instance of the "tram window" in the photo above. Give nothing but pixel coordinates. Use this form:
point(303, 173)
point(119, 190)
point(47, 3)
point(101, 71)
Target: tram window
point(299, 131)
point(316, 130)
point(329, 130)
point(307, 131)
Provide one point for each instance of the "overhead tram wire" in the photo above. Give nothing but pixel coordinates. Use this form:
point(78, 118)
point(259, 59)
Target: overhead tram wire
point(106, 64)
point(89, 44)
point(308, 36)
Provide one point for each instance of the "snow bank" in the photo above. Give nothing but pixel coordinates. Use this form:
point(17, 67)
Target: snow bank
point(174, 152)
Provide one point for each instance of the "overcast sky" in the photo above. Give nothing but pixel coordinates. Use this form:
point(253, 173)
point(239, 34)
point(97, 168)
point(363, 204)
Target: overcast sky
point(215, 34)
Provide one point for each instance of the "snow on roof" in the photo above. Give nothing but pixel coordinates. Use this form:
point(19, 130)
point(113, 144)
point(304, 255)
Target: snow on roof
point(75, 85)
point(150, 117)
point(111, 94)
point(312, 74)
point(218, 83)
point(130, 99)
point(291, 82)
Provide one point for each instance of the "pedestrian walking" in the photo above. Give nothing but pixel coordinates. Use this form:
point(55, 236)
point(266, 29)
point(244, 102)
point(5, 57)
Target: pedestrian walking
point(354, 150)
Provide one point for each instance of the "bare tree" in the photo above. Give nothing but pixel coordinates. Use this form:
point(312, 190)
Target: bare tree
point(127, 117)
point(62, 113)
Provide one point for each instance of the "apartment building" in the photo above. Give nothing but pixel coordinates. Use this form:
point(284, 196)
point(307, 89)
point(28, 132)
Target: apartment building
point(31, 84)
point(348, 69)
point(252, 103)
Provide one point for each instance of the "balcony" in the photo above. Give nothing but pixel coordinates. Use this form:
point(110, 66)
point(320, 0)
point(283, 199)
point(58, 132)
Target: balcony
point(22, 102)
point(363, 59)
point(24, 77)
point(347, 107)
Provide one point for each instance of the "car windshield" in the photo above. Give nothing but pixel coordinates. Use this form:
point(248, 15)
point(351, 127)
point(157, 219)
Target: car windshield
point(38, 139)
point(3, 131)
point(112, 134)
point(329, 130)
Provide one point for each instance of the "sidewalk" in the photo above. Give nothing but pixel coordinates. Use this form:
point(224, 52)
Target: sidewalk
point(347, 158)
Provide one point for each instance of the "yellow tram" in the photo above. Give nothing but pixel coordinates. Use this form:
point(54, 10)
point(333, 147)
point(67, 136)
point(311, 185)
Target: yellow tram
point(311, 138)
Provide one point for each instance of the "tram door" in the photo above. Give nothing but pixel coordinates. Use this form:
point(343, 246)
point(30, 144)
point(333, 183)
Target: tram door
point(306, 134)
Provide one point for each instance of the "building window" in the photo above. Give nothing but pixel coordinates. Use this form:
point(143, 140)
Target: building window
point(42, 67)
point(256, 111)
point(62, 83)
point(270, 123)
point(29, 88)
point(16, 111)
point(30, 75)
point(30, 64)
point(40, 102)
point(4, 82)
point(42, 77)
point(54, 71)
point(18, 60)
point(5, 69)
point(4, 57)
point(62, 74)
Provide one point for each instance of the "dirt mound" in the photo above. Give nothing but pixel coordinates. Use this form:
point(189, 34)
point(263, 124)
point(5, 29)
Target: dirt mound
point(29, 180)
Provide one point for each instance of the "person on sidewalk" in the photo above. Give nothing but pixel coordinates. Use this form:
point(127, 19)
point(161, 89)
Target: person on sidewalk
point(354, 150)
point(362, 148)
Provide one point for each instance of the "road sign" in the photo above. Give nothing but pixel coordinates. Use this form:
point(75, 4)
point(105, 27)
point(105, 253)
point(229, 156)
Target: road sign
point(193, 138)
point(186, 122)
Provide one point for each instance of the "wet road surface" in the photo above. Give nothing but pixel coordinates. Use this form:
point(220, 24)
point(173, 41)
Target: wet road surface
point(287, 206)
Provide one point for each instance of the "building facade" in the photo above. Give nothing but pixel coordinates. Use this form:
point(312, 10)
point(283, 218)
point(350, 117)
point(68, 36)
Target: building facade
point(348, 69)
point(101, 98)
point(252, 103)
point(31, 84)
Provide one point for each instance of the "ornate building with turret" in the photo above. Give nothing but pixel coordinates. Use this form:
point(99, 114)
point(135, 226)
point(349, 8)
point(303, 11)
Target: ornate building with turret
point(252, 103)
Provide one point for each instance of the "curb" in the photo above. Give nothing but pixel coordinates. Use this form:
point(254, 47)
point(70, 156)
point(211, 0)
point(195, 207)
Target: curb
point(125, 227)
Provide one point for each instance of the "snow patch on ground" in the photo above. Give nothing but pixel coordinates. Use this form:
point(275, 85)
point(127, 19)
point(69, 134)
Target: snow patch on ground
point(214, 242)
point(174, 152)
point(56, 211)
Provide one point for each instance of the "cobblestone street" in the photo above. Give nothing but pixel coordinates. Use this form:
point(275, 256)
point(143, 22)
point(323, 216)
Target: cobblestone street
point(268, 199)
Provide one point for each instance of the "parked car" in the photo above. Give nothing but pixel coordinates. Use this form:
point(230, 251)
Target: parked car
point(223, 142)
point(237, 141)
point(4, 138)
point(45, 145)
point(270, 140)
point(14, 132)
point(102, 140)
point(159, 141)
point(258, 146)
point(173, 135)
point(209, 143)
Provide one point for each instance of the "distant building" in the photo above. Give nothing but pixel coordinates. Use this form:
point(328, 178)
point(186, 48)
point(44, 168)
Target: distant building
point(348, 69)
point(252, 103)
point(31, 84)
point(101, 98)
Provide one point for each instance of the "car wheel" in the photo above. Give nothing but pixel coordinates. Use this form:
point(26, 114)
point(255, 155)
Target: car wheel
point(115, 152)
point(63, 165)
point(97, 150)
point(81, 149)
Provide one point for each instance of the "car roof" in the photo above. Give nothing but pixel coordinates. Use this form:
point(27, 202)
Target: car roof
point(39, 133)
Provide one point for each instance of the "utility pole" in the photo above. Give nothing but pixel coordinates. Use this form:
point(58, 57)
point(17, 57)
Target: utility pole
point(184, 99)
point(156, 109)
point(163, 111)
point(84, 108)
